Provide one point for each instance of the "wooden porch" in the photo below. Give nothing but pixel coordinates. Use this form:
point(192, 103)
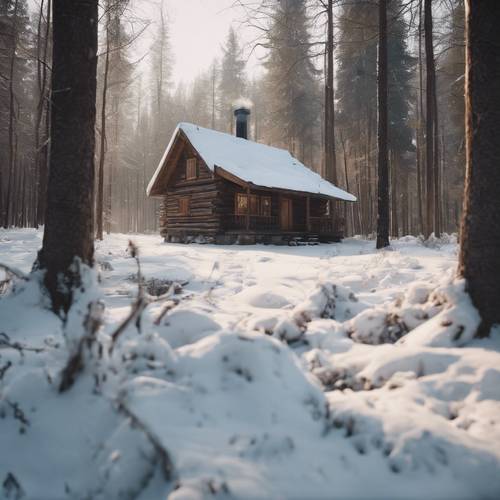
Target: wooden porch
point(291, 219)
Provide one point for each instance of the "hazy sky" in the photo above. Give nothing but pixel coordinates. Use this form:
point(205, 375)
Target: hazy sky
point(198, 29)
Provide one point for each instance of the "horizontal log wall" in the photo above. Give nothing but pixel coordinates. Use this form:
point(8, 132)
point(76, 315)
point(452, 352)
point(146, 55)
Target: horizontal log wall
point(212, 202)
point(202, 193)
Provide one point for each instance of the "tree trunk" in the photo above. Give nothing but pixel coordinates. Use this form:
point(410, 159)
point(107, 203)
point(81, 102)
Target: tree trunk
point(102, 148)
point(330, 157)
point(420, 120)
point(41, 146)
point(430, 119)
point(382, 166)
point(479, 261)
point(42, 139)
point(68, 236)
point(436, 161)
point(12, 98)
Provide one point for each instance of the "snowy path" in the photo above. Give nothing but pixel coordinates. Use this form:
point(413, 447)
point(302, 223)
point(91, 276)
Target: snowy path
point(370, 388)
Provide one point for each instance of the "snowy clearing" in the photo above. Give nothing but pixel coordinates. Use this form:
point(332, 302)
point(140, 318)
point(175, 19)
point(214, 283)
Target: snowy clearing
point(329, 371)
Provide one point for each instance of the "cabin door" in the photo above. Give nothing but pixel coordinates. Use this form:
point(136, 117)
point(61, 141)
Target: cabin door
point(286, 214)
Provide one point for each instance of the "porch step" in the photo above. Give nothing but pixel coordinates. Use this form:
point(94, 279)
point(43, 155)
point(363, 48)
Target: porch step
point(312, 239)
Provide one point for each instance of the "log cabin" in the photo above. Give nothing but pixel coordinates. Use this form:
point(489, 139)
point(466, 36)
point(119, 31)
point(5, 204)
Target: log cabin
point(226, 189)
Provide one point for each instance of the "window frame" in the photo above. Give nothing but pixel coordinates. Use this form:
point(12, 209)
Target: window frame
point(184, 206)
point(237, 210)
point(263, 205)
point(191, 167)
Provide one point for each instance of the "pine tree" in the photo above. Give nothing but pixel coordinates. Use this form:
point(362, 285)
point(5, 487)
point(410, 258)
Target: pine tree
point(290, 79)
point(452, 110)
point(232, 84)
point(400, 134)
point(357, 100)
point(15, 104)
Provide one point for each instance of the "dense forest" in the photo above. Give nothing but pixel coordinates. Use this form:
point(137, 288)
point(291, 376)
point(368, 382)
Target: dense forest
point(316, 96)
point(139, 364)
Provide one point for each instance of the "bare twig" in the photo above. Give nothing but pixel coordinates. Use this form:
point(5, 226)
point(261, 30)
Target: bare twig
point(140, 302)
point(76, 363)
point(5, 343)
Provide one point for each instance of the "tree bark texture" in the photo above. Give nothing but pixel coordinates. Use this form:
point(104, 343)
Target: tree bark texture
point(382, 163)
point(430, 119)
point(102, 148)
point(42, 139)
point(69, 220)
point(330, 157)
point(479, 261)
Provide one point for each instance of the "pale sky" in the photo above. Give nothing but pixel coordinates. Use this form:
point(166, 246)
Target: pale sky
point(198, 30)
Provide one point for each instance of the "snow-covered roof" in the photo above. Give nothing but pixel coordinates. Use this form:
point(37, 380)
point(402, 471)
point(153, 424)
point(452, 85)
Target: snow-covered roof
point(252, 162)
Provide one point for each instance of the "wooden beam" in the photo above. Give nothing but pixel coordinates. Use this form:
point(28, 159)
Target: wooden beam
point(308, 213)
point(248, 208)
point(230, 177)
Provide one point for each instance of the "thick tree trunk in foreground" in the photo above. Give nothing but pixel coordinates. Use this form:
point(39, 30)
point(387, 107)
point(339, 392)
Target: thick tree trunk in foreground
point(382, 164)
point(69, 217)
point(480, 231)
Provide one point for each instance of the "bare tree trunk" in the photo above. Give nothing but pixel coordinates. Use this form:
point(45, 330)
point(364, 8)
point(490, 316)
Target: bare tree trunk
point(382, 164)
point(102, 146)
point(430, 118)
point(479, 261)
point(68, 237)
point(420, 119)
point(12, 157)
point(393, 169)
point(436, 163)
point(330, 157)
point(41, 156)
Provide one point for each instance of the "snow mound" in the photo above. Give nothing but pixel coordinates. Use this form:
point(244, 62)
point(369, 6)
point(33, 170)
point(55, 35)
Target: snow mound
point(186, 326)
point(241, 399)
point(259, 297)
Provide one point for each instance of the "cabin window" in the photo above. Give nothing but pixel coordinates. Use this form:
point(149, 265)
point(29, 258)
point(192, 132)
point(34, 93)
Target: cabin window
point(241, 204)
point(184, 205)
point(191, 172)
point(265, 206)
point(253, 204)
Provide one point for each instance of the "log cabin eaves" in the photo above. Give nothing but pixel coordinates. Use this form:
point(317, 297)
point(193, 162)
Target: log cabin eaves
point(159, 184)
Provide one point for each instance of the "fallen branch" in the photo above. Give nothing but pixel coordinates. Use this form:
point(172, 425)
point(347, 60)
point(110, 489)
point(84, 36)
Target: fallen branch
point(5, 343)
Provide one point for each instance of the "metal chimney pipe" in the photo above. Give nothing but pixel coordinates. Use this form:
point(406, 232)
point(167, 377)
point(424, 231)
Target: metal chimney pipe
point(242, 122)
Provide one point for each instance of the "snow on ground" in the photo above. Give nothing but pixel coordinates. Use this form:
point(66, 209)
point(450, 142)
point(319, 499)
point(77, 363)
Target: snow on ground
point(329, 371)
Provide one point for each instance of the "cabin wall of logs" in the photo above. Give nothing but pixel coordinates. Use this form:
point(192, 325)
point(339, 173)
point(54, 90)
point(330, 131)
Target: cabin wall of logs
point(202, 206)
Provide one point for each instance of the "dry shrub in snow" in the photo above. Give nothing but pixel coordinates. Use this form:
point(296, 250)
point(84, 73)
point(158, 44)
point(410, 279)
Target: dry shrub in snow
point(448, 304)
point(327, 301)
